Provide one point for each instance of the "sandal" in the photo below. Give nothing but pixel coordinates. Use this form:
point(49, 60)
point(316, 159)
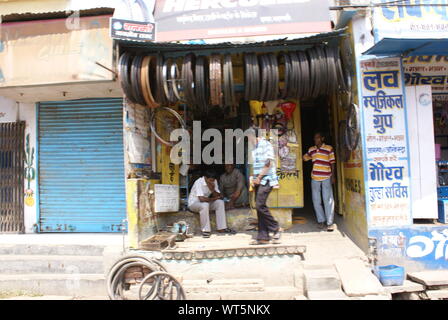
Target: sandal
point(206, 234)
point(227, 230)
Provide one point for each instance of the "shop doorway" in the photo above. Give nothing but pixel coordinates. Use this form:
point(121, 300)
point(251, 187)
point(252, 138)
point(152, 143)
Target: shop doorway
point(315, 117)
point(12, 162)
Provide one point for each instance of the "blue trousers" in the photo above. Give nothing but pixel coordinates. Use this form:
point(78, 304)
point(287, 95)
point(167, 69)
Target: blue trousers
point(327, 196)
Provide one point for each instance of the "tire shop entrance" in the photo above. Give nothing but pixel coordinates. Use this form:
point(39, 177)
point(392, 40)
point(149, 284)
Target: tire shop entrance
point(289, 85)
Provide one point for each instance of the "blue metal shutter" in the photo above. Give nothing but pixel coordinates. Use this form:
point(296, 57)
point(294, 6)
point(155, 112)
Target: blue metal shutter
point(81, 166)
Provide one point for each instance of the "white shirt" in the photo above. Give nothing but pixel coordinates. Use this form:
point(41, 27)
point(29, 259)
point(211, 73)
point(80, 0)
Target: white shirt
point(200, 189)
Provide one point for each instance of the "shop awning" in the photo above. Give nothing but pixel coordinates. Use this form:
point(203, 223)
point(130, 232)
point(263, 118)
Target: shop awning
point(279, 44)
point(12, 11)
point(409, 47)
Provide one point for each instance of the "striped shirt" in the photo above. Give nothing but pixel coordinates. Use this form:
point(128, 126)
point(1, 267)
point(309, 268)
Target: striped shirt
point(262, 152)
point(322, 159)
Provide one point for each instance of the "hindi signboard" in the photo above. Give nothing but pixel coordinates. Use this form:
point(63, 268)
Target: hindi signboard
point(414, 20)
point(385, 141)
point(133, 20)
point(166, 198)
point(428, 70)
point(205, 19)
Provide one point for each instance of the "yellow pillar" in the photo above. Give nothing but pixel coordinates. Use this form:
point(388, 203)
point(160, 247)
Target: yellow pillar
point(141, 219)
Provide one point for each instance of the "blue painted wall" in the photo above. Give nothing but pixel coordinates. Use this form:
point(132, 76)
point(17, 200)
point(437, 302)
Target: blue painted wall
point(415, 247)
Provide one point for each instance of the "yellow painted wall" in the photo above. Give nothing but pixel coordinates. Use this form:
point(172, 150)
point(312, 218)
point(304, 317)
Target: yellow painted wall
point(141, 224)
point(290, 193)
point(350, 178)
point(168, 170)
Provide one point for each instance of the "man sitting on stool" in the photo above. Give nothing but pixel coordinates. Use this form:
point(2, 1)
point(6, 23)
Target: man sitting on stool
point(205, 196)
point(233, 187)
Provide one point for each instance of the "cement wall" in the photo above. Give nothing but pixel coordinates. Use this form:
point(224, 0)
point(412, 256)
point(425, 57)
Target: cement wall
point(274, 270)
point(351, 171)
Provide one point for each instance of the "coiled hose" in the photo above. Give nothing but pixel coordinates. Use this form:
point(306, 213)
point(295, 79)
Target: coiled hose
point(162, 285)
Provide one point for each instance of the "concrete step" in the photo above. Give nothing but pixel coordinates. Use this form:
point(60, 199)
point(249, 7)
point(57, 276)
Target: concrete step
point(357, 278)
point(306, 265)
point(55, 284)
point(373, 297)
point(437, 294)
point(321, 280)
point(327, 295)
point(408, 286)
point(223, 286)
point(44, 249)
point(269, 293)
point(430, 278)
point(16, 264)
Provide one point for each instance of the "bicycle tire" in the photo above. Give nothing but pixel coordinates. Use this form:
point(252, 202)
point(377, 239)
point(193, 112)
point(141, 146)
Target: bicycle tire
point(274, 85)
point(352, 130)
point(165, 274)
point(188, 79)
point(152, 125)
point(123, 71)
point(145, 83)
point(265, 77)
point(294, 89)
point(306, 77)
point(283, 56)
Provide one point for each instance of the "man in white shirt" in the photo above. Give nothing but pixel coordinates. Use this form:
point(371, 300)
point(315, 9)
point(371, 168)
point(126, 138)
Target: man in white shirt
point(205, 196)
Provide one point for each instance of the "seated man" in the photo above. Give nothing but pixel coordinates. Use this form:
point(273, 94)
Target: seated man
point(205, 196)
point(233, 187)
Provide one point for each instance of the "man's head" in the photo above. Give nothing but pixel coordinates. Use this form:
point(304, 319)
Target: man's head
point(229, 168)
point(210, 176)
point(319, 138)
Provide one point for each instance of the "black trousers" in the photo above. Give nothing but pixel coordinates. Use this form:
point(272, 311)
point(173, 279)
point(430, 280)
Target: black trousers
point(266, 222)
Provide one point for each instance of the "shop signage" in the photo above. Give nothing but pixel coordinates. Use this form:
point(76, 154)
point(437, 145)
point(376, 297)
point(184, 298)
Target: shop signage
point(427, 245)
point(133, 20)
point(166, 198)
point(385, 141)
point(428, 70)
point(204, 19)
point(418, 20)
point(53, 51)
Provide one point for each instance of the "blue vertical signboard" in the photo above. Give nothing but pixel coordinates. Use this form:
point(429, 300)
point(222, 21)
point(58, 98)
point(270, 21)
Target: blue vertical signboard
point(386, 143)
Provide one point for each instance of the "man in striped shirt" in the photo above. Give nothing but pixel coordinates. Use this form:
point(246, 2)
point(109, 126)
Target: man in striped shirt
point(322, 177)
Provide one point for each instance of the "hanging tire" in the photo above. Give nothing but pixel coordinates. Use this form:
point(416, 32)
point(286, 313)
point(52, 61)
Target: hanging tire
point(352, 127)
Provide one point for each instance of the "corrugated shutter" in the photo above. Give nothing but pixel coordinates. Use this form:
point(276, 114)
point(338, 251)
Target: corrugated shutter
point(81, 166)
